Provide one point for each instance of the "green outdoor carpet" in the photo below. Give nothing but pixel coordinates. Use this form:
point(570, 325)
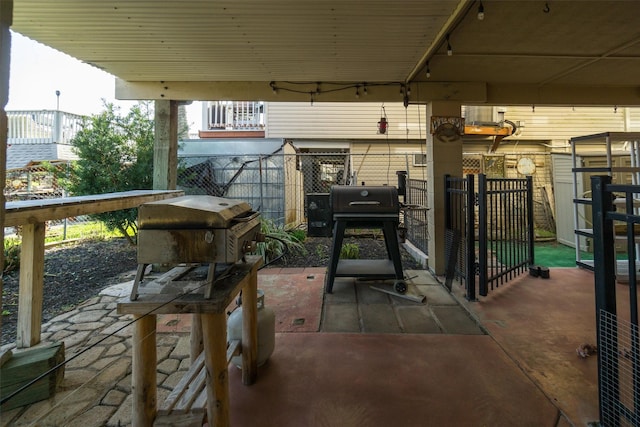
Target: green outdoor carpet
point(553, 254)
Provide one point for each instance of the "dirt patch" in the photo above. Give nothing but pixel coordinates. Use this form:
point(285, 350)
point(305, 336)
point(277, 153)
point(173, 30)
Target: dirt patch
point(74, 273)
point(318, 252)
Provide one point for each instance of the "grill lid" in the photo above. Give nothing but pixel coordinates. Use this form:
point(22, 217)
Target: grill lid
point(189, 212)
point(347, 199)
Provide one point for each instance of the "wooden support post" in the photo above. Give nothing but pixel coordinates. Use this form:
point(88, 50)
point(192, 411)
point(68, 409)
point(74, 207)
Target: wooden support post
point(249, 328)
point(31, 284)
point(214, 329)
point(6, 18)
point(165, 147)
point(144, 366)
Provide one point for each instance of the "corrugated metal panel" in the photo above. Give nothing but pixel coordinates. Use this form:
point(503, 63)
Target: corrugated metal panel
point(343, 120)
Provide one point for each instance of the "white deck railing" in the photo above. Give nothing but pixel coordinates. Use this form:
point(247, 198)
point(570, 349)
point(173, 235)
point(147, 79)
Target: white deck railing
point(42, 126)
point(235, 115)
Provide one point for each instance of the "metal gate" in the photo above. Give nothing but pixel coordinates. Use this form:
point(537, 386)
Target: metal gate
point(505, 230)
point(415, 217)
point(460, 231)
point(502, 238)
point(617, 332)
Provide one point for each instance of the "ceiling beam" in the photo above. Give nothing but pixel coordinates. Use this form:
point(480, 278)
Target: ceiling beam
point(456, 16)
point(302, 92)
point(420, 92)
point(606, 55)
point(563, 95)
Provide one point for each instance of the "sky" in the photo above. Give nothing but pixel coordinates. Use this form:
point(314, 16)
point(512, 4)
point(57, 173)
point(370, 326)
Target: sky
point(38, 71)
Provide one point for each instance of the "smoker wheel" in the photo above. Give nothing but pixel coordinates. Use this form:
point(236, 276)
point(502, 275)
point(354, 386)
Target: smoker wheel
point(400, 286)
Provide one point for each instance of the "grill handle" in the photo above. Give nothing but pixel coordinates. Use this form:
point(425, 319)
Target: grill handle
point(246, 218)
point(364, 203)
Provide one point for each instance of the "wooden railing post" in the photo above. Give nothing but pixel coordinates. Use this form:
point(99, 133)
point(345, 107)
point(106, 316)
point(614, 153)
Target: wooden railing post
point(31, 285)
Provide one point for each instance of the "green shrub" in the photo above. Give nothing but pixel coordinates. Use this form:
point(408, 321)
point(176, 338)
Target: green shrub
point(276, 239)
point(321, 252)
point(298, 235)
point(11, 255)
point(349, 251)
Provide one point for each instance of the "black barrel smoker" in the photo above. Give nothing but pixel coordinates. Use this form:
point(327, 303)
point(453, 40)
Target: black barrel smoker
point(366, 207)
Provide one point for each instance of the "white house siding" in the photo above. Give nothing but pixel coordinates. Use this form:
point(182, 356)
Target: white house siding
point(633, 119)
point(559, 124)
point(555, 125)
point(376, 163)
point(333, 120)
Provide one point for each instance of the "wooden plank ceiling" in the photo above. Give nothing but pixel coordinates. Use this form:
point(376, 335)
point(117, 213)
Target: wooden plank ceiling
point(519, 47)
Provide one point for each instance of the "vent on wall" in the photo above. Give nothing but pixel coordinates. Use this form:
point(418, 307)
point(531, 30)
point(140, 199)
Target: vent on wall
point(419, 159)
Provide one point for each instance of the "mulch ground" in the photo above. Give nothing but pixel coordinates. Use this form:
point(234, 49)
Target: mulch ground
point(76, 272)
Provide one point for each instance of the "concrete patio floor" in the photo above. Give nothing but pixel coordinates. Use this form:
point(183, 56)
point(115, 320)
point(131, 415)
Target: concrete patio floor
point(359, 357)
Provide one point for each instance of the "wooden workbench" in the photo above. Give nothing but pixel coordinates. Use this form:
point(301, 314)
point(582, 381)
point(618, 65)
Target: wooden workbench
point(32, 216)
point(213, 321)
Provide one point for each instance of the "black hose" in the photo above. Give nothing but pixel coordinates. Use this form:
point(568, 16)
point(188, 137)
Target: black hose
point(514, 127)
point(279, 257)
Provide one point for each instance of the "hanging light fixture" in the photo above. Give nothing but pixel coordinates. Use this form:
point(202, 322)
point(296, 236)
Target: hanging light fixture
point(428, 70)
point(449, 48)
point(481, 11)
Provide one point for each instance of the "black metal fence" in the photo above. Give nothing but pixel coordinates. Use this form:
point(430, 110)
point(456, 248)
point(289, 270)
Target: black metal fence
point(618, 338)
point(505, 230)
point(415, 215)
point(460, 230)
point(494, 228)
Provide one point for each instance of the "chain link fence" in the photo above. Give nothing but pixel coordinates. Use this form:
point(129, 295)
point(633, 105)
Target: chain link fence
point(278, 184)
point(38, 182)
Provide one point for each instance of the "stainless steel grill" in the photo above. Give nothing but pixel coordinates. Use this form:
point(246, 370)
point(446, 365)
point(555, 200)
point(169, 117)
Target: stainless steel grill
point(195, 229)
point(366, 207)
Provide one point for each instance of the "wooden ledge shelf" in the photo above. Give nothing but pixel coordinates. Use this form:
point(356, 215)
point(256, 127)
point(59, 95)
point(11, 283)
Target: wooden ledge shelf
point(32, 215)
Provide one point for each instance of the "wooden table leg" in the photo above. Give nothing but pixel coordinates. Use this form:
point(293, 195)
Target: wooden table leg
point(250, 329)
point(196, 337)
point(144, 367)
point(31, 284)
point(214, 331)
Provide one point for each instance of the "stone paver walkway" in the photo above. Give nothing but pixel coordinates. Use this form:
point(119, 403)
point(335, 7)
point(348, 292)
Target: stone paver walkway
point(96, 390)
